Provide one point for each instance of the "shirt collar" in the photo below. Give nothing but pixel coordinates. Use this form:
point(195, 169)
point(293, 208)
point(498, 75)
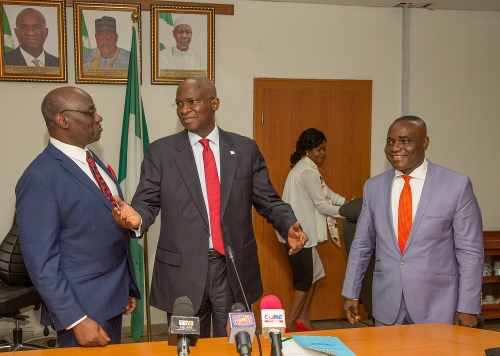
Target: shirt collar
point(29, 58)
point(212, 136)
point(69, 150)
point(418, 173)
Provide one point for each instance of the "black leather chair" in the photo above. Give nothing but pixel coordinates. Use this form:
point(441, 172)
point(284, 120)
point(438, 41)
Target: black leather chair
point(351, 212)
point(16, 290)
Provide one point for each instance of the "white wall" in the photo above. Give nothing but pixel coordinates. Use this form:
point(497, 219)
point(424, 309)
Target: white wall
point(454, 85)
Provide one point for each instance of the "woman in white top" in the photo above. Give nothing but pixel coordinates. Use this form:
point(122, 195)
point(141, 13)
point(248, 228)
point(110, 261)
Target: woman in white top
point(312, 201)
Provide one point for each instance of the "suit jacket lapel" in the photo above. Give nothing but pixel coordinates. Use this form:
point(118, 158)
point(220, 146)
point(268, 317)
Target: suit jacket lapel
point(228, 162)
point(105, 169)
point(187, 168)
point(70, 166)
point(429, 184)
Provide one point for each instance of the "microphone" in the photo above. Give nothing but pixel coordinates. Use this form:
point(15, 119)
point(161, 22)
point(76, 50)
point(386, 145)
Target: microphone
point(273, 322)
point(229, 251)
point(241, 329)
point(184, 326)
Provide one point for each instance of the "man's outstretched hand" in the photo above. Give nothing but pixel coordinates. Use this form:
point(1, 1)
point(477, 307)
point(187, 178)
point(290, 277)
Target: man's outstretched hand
point(126, 216)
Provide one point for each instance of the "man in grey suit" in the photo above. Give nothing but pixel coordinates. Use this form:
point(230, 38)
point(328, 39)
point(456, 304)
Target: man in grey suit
point(188, 260)
point(436, 277)
point(31, 32)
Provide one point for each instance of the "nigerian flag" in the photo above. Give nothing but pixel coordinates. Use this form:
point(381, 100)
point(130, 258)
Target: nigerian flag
point(8, 40)
point(85, 35)
point(165, 28)
point(133, 145)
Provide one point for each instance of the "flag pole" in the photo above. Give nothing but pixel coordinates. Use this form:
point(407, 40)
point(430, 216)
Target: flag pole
point(146, 288)
point(135, 19)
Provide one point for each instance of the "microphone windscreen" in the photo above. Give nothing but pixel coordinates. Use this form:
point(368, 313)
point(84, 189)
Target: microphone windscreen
point(238, 308)
point(183, 307)
point(270, 302)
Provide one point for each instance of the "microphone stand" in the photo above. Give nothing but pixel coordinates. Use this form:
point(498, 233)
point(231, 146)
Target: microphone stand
point(231, 257)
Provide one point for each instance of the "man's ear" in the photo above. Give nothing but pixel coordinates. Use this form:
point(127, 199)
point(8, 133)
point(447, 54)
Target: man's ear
point(426, 142)
point(215, 104)
point(60, 121)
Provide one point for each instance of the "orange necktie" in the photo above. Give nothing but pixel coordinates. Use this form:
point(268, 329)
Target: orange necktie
point(404, 214)
point(213, 193)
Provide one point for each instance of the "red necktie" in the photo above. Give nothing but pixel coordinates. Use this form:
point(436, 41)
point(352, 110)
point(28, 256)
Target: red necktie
point(404, 214)
point(99, 179)
point(213, 193)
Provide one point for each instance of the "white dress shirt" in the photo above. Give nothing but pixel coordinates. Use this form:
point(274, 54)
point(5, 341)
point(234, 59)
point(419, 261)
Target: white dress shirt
point(416, 183)
point(29, 59)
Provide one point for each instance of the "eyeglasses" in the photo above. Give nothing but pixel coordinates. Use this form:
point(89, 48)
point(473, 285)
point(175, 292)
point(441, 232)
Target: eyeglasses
point(36, 28)
point(90, 112)
point(190, 103)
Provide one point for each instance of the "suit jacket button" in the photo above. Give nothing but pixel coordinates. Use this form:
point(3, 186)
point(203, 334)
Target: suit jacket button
point(205, 231)
point(402, 262)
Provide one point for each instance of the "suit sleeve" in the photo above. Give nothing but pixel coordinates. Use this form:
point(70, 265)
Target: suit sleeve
point(469, 250)
point(266, 199)
point(147, 199)
point(38, 220)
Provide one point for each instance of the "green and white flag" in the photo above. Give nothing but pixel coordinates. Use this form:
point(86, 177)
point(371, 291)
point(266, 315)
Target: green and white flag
point(165, 28)
point(134, 142)
point(8, 40)
point(85, 35)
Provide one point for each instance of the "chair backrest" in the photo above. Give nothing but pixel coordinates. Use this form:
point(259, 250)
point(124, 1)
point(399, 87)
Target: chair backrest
point(351, 212)
point(12, 267)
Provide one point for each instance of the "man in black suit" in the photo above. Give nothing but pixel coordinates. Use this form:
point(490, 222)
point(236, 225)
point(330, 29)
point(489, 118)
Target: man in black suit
point(188, 260)
point(31, 32)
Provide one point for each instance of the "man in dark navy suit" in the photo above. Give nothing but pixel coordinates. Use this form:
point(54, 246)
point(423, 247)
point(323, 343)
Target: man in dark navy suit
point(77, 256)
point(31, 32)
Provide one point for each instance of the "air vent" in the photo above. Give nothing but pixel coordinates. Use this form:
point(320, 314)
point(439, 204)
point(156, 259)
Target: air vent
point(422, 5)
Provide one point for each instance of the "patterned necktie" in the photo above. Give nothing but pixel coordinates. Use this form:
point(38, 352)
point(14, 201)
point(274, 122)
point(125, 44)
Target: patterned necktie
point(36, 62)
point(213, 193)
point(404, 214)
point(99, 179)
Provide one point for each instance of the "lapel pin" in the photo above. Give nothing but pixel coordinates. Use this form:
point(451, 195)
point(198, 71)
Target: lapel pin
point(232, 152)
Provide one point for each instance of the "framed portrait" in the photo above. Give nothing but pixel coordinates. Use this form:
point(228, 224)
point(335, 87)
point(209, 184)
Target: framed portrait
point(103, 37)
point(182, 43)
point(33, 41)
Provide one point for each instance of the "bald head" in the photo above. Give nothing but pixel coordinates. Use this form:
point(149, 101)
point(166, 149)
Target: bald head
point(204, 84)
point(71, 116)
point(415, 120)
point(56, 101)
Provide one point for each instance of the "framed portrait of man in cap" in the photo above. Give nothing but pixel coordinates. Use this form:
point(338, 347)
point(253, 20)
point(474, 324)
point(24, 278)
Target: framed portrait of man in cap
point(33, 41)
point(103, 38)
point(182, 43)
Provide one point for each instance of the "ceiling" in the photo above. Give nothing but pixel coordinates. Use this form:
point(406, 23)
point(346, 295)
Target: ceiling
point(476, 5)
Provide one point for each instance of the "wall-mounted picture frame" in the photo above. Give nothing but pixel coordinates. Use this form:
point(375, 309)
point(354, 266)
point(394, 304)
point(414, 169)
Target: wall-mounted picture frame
point(182, 43)
point(33, 41)
point(103, 36)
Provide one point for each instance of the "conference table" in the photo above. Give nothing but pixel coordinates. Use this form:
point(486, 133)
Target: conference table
point(422, 339)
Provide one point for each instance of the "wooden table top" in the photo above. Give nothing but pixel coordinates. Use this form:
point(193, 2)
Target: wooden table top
point(422, 339)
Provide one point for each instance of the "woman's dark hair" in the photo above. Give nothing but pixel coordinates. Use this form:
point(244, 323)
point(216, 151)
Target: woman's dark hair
point(309, 139)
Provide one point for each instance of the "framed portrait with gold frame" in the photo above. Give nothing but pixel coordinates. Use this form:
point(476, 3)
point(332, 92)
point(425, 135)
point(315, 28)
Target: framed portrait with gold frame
point(33, 41)
point(103, 36)
point(182, 43)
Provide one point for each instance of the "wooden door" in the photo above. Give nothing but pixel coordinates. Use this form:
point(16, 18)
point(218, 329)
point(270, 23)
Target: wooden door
point(283, 108)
